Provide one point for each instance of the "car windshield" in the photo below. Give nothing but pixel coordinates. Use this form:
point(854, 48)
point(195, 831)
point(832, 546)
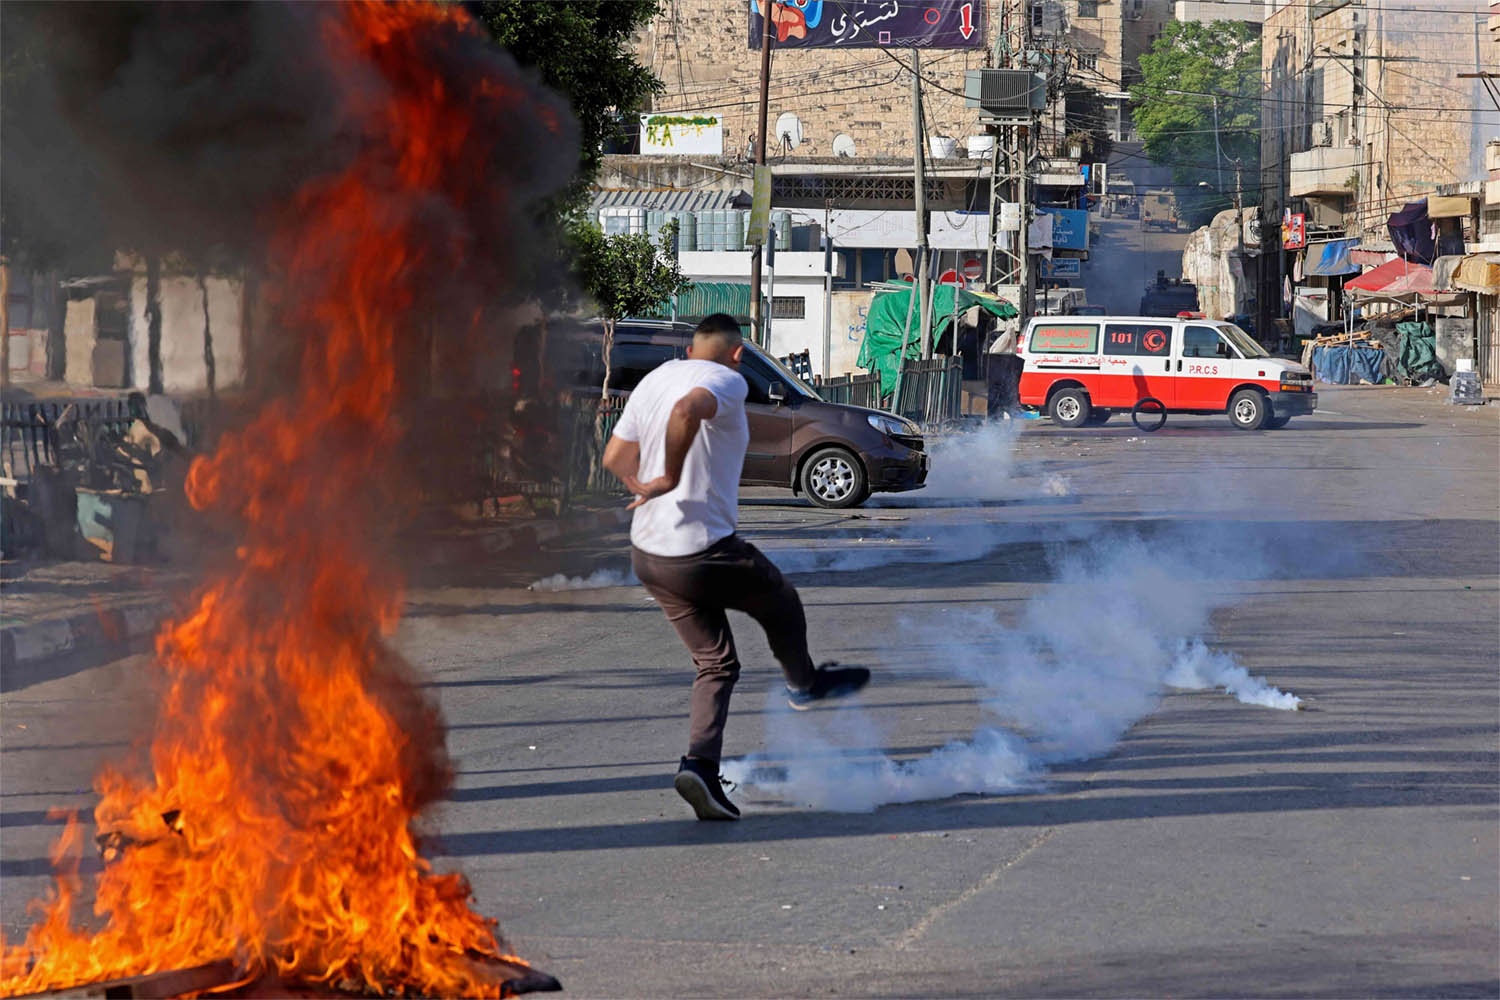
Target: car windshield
point(783, 372)
point(1246, 343)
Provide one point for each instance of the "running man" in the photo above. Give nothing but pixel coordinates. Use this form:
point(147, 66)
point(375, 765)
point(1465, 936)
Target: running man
point(679, 447)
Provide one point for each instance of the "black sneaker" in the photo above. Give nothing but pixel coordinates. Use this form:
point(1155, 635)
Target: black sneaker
point(831, 681)
point(699, 783)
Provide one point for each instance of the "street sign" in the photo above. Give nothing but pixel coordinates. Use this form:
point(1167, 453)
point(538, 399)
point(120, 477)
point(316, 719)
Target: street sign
point(951, 277)
point(1055, 268)
point(973, 268)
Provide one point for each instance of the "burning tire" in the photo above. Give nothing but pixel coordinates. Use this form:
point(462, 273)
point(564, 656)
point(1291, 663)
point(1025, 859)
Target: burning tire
point(1070, 408)
point(833, 477)
point(1248, 410)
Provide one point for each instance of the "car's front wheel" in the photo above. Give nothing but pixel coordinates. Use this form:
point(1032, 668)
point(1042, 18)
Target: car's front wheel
point(1248, 410)
point(832, 477)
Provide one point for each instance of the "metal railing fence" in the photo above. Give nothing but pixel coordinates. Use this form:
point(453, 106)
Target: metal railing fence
point(855, 390)
point(931, 390)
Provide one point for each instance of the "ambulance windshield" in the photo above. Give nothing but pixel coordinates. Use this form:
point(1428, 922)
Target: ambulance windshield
point(1243, 341)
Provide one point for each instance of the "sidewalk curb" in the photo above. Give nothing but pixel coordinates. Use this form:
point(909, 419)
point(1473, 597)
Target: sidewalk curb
point(547, 531)
point(21, 645)
point(24, 644)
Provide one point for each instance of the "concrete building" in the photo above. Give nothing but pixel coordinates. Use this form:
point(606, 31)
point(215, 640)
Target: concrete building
point(1368, 107)
point(1205, 11)
point(700, 51)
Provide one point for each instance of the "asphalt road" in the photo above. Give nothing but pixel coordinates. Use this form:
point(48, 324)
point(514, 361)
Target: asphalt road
point(1125, 259)
point(1218, 848)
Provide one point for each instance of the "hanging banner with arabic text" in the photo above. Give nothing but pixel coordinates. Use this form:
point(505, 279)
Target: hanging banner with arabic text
point(871, 24)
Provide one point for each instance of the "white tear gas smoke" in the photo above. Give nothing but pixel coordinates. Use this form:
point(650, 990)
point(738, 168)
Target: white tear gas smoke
point(979, 465)
point(976, 466)
point(597, 580)
point(1088, 656)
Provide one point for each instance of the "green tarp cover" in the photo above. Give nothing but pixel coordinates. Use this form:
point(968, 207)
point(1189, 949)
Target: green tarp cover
point(1418, 360)
point(707, 297)
point(887, 319)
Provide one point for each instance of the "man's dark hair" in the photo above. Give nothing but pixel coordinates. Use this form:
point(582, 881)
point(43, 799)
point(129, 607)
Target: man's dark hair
point(721, 325)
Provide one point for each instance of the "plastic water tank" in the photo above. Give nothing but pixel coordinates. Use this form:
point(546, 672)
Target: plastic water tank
point(783, 223)
point(735, 220)
point(687, 231)
point(979, 147)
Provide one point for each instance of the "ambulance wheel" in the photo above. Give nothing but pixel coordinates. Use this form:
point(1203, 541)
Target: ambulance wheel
point(1277, 423)
point(1248, 410)
point(1098, 417)
point(834, 478)
point(1070, 408)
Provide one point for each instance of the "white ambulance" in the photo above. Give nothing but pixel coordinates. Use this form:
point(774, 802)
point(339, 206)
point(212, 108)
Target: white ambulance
point(1081, 369)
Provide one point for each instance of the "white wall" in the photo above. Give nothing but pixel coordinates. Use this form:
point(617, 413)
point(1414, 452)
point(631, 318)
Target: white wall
point(182, 358)
point(797, 274)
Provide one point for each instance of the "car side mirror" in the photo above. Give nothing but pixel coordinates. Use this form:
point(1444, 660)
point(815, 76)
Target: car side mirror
point(776, 392)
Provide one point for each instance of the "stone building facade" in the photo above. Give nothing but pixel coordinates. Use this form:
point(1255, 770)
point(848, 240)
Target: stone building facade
point(700, 51)
point(1365, 110)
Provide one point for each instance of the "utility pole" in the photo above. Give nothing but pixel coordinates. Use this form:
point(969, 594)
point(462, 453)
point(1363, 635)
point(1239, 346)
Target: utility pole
point(1218, 150)
point(760, 161)
point(919, 185)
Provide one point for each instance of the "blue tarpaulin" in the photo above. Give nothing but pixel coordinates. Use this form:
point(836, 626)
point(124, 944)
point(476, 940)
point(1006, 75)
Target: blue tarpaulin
point(1343, 365)
point(1334, 258)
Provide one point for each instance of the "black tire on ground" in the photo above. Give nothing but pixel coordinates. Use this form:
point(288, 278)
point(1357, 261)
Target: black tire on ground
point(1069, 408)
point(1152, 410)
point(833, 477)
point(1098, 417)
point(1248, 410)
point(1277, 423)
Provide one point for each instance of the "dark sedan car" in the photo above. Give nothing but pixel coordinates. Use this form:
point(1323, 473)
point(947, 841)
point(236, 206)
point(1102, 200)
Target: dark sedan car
point(836, 455)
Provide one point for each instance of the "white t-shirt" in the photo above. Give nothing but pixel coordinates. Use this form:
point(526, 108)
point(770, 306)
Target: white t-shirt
point(705, 505)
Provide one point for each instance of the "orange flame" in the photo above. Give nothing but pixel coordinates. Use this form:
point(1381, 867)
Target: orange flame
point(292, 753)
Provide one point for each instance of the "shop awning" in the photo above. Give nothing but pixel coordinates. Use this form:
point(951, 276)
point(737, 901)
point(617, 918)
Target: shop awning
point(1331, 258)
point(1478, 272)
point(1366, 257)
point(1394, 277)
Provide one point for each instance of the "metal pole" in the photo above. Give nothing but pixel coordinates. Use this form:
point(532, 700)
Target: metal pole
point(1218, 152)
point(911, 301)
point(989, 260)
point(919, 184)
point(760, 159)
point(770, 284)
point(827, 289)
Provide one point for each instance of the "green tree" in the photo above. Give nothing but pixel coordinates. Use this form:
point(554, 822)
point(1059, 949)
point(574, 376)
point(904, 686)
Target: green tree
point(625, 275)
point(1203, 61)
point(581, 49)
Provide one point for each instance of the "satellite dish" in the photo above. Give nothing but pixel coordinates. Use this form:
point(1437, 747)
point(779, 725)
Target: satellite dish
point(789, 130)
point(843, 144)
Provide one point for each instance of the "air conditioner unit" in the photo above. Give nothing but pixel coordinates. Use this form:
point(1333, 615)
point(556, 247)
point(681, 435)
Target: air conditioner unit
point(1005, 93)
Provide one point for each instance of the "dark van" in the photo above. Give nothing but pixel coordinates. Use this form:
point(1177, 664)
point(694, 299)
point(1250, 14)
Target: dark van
point(836, 455)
